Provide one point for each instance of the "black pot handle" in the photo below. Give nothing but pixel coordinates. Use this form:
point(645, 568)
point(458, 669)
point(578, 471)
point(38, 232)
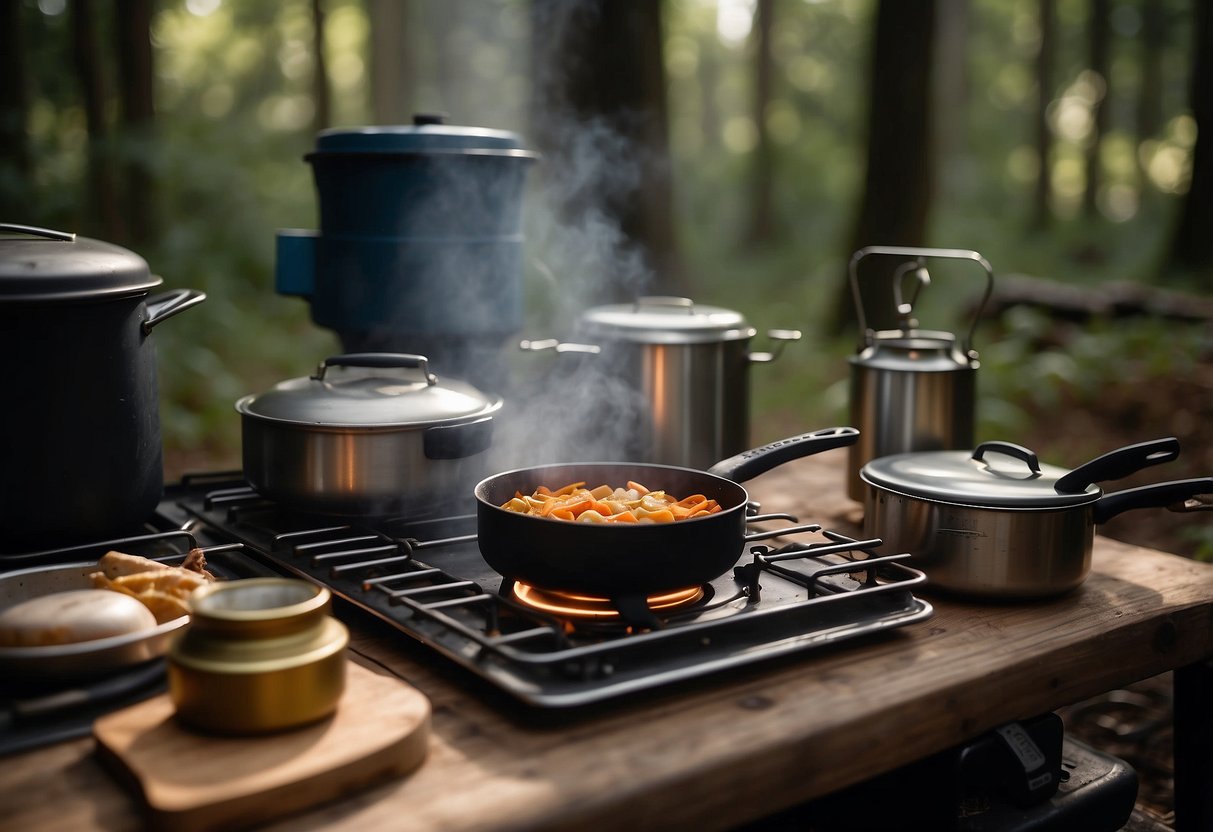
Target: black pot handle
point(1117, 464)
point(458, 441)
point(1024, 455)
point(1178, 496)
point(165, 305)
point(749, 464)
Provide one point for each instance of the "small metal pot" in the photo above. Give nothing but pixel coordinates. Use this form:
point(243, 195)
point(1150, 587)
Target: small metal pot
point(997, 523)
point(82, 453)
point(258, 655)
point(675, 375)
point(370, 434)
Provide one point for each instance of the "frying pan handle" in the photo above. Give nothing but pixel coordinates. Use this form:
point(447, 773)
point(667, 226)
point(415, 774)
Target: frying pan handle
point(1117, 464)
point(1178, 496)
point(749, 464)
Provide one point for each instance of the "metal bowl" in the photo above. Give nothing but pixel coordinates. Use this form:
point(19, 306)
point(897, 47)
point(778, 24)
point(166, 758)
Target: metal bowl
point(79, 659)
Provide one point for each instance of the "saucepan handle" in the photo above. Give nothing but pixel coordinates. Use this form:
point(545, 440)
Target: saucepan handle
point(1118, 464)
point(1179, 496)
point(749, 464)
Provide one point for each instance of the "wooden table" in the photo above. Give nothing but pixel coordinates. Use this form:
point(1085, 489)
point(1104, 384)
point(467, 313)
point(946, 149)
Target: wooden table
point(731, 749)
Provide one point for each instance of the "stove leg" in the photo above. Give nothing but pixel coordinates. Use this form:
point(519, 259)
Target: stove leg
point(1193, 754)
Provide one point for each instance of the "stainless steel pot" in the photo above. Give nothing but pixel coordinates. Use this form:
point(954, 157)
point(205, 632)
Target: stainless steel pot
point(686, 367)
point(998, 523)
point(370, 434)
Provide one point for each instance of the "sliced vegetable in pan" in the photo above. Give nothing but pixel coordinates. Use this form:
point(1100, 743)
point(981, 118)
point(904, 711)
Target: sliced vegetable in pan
point(605, 504)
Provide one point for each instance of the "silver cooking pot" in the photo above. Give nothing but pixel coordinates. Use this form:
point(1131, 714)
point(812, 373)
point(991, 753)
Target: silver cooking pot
point(998, 523)
point(370, 434)
point(684, 366)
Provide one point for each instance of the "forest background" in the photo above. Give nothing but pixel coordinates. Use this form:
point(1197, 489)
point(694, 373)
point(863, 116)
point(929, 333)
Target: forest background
point(1068, 141)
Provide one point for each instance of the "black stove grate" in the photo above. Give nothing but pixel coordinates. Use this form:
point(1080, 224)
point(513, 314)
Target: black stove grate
point(429, 581)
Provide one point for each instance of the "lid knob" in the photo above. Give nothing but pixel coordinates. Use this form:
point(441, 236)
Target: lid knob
point(429, 118)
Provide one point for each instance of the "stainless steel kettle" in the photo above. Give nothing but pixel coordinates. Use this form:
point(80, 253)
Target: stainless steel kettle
point(911, 389)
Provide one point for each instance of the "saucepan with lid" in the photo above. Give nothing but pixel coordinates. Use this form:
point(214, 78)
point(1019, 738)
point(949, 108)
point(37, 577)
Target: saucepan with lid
point(996, 522)
point(369, 434)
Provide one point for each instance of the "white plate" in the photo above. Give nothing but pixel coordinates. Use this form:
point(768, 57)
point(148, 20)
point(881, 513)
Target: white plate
point(83, 658)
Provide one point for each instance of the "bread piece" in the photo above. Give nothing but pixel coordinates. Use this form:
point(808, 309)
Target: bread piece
point(117, 564)
point(73, 616)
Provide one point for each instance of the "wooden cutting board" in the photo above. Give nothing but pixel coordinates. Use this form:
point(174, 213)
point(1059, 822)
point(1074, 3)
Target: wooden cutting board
point(189, 780)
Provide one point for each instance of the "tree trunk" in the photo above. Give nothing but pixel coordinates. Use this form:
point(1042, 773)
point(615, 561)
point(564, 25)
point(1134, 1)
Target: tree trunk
point(1149, 96)
point(951, 92)
point(898, 185)
point(1041, 211)
point(134, 23)
point(321, 99)
point(15, 156)
point(1099, 62)
point(600, 119)
point(1192, 243)
point(762, 228)
point(103, 217)
point(393, 70)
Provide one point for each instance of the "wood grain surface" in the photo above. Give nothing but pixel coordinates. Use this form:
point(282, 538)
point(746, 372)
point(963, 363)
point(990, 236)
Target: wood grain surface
point(195, 781)
point(727, 749)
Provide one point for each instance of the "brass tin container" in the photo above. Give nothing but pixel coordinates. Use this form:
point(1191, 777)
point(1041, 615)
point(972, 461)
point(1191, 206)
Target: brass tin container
point(259, 655)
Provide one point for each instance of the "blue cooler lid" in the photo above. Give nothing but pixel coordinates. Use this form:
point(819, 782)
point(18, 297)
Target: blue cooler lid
point(427, 134)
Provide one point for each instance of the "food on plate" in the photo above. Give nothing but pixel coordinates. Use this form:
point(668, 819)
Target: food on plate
point(604, 504)
point(72, 616)
point(163, 589)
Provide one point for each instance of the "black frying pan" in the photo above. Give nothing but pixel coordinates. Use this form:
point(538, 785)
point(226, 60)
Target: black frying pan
point(626, 561)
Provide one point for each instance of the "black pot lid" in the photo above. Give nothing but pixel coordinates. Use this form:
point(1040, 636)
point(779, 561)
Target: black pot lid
point(39, 264)
point(996, 474)
point(370, 390)
point(665, 320)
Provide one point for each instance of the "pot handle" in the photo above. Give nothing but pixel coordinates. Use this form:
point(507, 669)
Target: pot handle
point(781, 337)
point(1178, 496)
point(49, 233)
point(165, 305)
point(558, 347)
point(378, 360)
point(1117, 464)
point(749, 464)
point(1024, 455)
point(458, 441)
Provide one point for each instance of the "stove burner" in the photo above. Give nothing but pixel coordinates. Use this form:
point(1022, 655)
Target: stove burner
point(593, 607)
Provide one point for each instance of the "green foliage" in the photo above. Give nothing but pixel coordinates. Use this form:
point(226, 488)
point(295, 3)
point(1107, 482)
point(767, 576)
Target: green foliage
point(233, 91)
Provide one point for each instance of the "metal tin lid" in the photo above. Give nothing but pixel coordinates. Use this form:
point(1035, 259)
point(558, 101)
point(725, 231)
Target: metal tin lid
point(370, 390)
point(427, 134)
point(39, 264)
point(666, 320)
point(996, 474)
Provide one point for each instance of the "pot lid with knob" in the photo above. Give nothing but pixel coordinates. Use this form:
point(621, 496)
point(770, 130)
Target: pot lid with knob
point(41, 265)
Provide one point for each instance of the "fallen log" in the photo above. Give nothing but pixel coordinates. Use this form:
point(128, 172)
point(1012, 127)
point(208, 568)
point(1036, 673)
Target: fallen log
point(1115, 299)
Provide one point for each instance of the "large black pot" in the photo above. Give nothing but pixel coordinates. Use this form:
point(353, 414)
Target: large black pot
point(82, 456)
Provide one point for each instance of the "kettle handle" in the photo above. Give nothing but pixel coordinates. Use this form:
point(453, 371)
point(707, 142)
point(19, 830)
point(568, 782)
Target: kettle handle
point(919, 255)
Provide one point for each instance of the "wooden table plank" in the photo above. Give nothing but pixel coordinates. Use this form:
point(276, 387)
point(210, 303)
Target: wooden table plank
point(724, 750)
